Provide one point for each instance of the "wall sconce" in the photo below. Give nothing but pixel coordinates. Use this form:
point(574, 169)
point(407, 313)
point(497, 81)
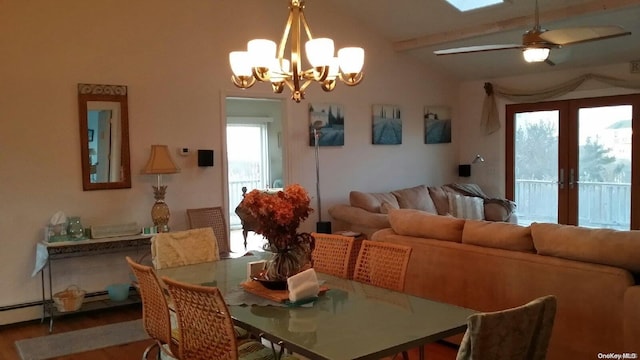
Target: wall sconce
point(464, 170)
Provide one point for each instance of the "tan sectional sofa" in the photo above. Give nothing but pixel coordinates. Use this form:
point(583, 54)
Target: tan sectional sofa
point(489, 266)
point(367, 212)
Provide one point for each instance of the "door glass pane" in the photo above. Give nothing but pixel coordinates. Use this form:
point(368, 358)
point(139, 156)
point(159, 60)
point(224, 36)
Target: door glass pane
point(246, 154)
point(536, 166)
point(604, 167)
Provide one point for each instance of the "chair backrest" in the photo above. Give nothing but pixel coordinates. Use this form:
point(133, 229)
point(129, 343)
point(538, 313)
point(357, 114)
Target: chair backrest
point(332, 253)
point(206, 328)
point(214, 218)
point(155, 309)
point(382, 264)
point(518, 333)
point(184, 248)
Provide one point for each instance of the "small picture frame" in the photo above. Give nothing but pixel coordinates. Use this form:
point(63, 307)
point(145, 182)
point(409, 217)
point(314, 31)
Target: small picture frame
point(386, 125)
point(90, 135)
point(437, 124)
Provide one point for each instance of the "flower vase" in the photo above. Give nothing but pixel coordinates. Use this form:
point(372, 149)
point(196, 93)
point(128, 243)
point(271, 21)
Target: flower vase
point(283, 264)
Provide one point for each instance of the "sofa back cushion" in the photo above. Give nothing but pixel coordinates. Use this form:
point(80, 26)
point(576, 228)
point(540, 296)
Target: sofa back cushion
point(600, 246)
point(371, 201)
point(417, 198)
point(440, 199)
point(418, 223)
point(498, 235)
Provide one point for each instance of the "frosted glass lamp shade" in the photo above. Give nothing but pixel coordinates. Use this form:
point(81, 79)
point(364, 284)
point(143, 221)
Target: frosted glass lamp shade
point(351, 59)
point(240, 63)
point(319, 51)
point(261, 52)
point(535, 54)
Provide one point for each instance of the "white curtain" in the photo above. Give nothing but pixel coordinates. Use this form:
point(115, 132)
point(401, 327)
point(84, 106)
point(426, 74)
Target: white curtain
point(490, 119)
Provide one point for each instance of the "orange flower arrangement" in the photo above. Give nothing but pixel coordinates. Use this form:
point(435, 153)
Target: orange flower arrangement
point(278, 216)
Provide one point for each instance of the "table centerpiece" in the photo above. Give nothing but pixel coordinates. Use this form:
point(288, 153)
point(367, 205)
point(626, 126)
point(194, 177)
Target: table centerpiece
point(278, 215)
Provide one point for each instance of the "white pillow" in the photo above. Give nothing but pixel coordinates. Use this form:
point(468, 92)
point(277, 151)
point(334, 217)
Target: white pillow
point(466, 207)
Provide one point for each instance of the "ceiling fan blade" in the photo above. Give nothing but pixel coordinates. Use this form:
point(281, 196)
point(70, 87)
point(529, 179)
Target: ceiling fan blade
point(549, 62)
point(477, 48)
point(582, 34)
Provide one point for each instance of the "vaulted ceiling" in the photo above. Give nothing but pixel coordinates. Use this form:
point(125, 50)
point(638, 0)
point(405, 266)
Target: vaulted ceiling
point(418, 27)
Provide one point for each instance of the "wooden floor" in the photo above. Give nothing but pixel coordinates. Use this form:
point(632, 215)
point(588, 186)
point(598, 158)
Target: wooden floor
point(133, 351)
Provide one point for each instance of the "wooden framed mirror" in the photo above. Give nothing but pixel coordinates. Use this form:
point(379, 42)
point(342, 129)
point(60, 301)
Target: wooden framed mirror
point(104, 136)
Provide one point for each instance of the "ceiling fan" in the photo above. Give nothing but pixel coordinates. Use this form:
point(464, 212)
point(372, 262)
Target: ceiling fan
point(538, 42)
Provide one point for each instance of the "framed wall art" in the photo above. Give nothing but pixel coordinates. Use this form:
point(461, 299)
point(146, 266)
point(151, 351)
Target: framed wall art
point(386, 125)
point(437, 124)
point(328, 120)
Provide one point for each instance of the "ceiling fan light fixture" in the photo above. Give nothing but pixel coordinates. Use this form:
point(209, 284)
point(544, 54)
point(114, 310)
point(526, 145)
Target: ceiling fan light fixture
point(535, 54)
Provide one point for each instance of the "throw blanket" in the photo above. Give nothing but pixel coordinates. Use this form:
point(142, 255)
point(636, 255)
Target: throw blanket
point(474, 190)
point(184, 248)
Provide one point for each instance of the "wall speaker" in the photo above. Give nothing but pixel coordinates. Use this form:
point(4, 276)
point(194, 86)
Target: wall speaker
point(205, 157)
point(464, 170)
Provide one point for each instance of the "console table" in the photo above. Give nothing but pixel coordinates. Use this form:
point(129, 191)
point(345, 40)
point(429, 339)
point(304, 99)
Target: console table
point(47, 252)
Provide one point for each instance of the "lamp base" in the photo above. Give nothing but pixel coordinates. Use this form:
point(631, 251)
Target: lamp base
point(160, 216)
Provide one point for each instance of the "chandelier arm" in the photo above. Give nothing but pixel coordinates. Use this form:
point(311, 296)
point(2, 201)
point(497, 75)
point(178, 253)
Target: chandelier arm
point(303, 19)
point(285, 35)
point(243, 82)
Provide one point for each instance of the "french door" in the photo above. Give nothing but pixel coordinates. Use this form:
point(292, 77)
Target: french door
point(570, 162)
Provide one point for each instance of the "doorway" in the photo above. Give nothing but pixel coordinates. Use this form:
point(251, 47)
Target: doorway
point(254, 148)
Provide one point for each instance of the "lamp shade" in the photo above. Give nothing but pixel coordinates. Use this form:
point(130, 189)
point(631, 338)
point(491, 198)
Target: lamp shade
point(535, 54)
point(160, 161)
point(351, 59)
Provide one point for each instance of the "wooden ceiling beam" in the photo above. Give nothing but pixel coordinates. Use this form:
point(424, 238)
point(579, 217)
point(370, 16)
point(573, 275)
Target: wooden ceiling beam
point(592, 7)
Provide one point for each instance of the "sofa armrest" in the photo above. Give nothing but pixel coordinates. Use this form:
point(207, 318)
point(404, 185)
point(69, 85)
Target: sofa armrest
point(355, 215)
point(632, 319)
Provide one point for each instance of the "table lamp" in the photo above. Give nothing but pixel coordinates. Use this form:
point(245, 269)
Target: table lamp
point(159, 163)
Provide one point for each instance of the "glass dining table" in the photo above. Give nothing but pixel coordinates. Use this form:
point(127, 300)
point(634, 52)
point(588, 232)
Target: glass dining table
point(351, 320)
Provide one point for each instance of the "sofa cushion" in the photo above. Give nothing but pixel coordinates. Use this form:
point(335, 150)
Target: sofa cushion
point(416, 197)
point(418, 223)
point(498, 235)
point(600, 246)
point(440, 199)
point(466, 207)
point(386, 206)
point(371, 201)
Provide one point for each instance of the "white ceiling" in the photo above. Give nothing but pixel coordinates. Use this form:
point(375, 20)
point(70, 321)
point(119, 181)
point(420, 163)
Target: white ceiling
point(436, 22)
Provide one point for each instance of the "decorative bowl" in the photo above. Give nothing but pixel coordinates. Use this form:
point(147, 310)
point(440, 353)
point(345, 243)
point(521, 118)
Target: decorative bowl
point(271, 284)
point(118, 292)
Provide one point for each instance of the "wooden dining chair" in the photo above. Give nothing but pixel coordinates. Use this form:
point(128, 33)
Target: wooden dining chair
point(332, 254)
point(382, 264)
point(155, 310)
point(206, 327)
point(522, 332)
point(214, 218)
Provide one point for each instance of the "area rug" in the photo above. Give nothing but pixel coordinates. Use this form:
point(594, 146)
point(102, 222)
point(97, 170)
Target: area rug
point(71, 342)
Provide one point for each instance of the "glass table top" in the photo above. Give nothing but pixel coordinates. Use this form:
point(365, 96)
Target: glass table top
point(350, 321)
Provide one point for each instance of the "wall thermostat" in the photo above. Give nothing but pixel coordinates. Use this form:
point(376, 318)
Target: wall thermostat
point(184, 151)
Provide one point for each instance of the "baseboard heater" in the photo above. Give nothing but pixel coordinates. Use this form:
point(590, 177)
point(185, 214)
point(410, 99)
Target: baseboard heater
point(39, 302)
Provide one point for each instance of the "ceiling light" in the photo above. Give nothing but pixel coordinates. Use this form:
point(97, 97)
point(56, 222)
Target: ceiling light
point(260, 62)
point(535, 54)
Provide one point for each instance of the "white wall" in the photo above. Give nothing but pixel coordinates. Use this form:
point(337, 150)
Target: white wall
point(172, 55)
point(491, 174)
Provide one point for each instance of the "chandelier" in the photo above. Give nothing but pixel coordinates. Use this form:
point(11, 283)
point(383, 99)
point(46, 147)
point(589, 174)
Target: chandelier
point(260, 62)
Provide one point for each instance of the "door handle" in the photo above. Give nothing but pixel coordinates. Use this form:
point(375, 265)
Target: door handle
point(571, 179)
point(561, 179)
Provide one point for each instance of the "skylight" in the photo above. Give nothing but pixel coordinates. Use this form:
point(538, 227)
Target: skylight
point(468, 5)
